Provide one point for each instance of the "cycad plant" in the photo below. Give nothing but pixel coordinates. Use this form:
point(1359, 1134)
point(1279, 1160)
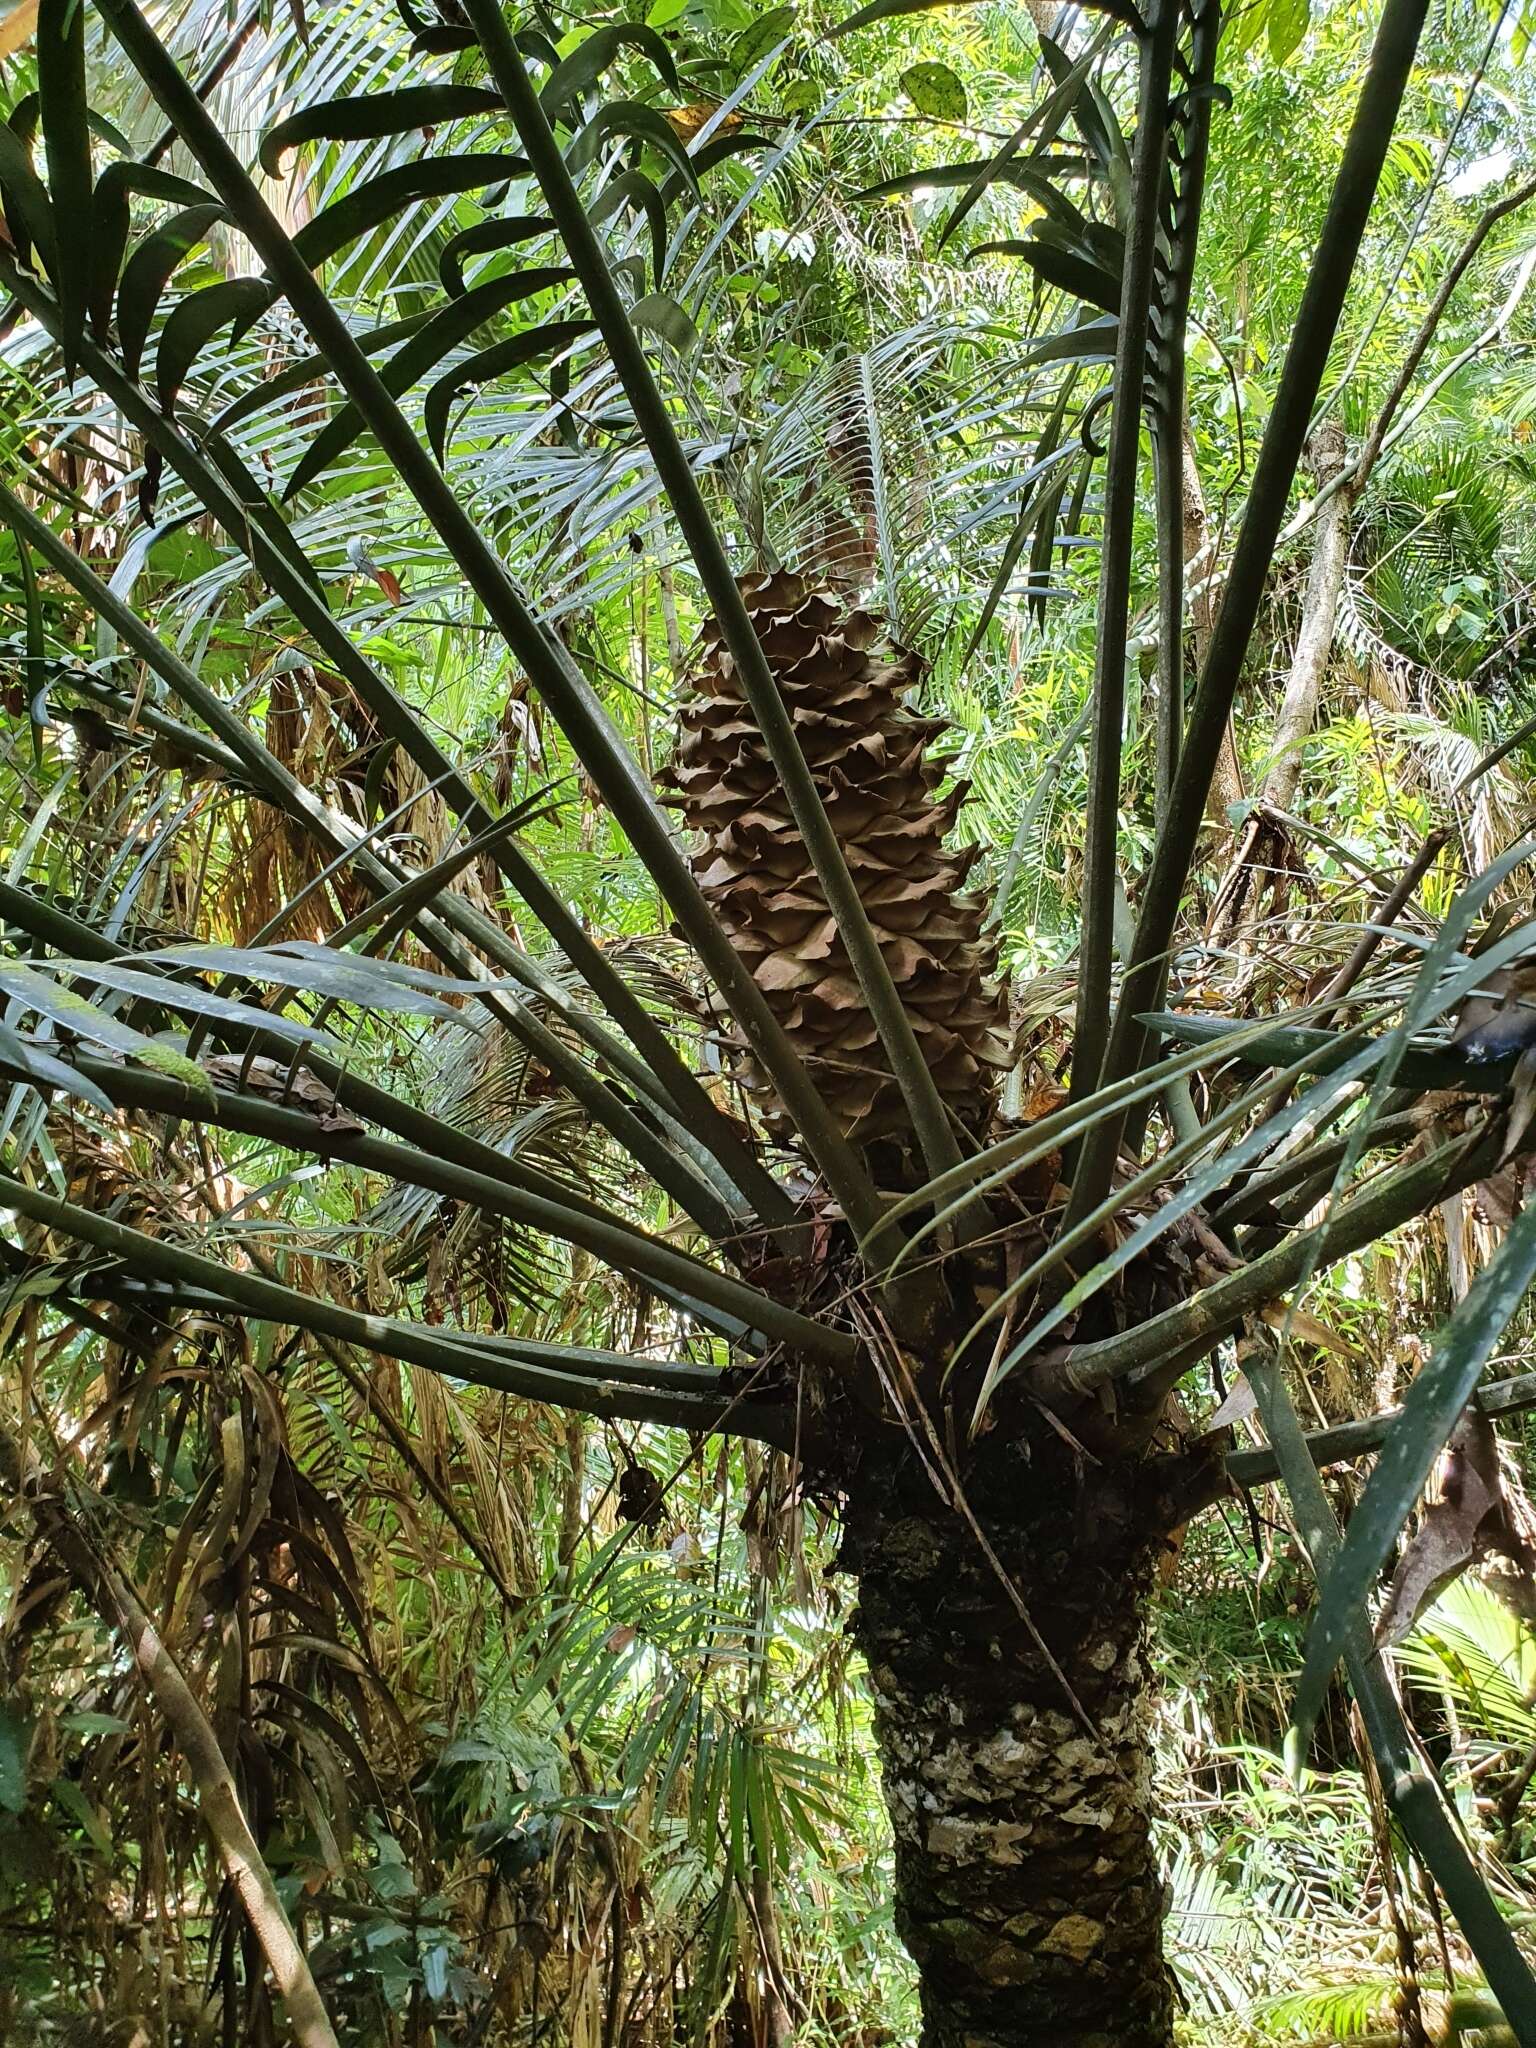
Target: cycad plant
point(966, 1334)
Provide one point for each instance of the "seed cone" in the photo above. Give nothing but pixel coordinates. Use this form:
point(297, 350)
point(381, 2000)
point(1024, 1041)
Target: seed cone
point(843, 682)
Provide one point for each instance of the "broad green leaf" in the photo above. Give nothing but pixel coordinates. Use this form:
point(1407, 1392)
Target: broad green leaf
point(485, 236)
point(758, 38)
point(1431, 1409)
point(664, 316)
point(237, 302)
point(149, 270)
point(369, 116)
point(435, 1958)
point(67, 146)
point(935, 90)
point(377, 199)
point(448, 327)
point(1288, 23)
point(591, 58)
point(495, 361)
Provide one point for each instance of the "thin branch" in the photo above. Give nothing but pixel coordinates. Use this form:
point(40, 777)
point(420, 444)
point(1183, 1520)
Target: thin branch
point(417, 1344)
point(1317, 321)
point(573, 704)
point(931, 1123)
point(1355, 475)
point(1096, 951)
point(246, 517)
point(218, 1800)
point(617, 1244)
point(1348, 1440)
point(1487, 222)
point(1411, 239)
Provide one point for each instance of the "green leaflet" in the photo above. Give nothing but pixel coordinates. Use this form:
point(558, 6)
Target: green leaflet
point(28, 215)
point(368, 116)
point(758, 38)
point(664, 316)
point(936, 91)
point(630, 117)
point(449, 326)
point(634, 188)
point(39, 992)
point(149, 270)
point(198, 1002)
point(195, 321)
point(1060, 267)
point(884, 10)
point(482, 238)
point(307, 369)
point(35, 665)
point(374, 201)
point(1190, 1196)
point(67, 145)
point(42, 1070)
point(1288, 22)
point(1431, 1409)
point(112, 211)
point(15, 1739)
point(1011, 173)
point(1091, 341)
point(491, 362)
point(591, 59)
point(348, 977)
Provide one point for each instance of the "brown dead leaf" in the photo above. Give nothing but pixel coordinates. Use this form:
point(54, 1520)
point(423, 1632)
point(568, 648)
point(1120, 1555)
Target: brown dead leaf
point(1470, 1521)
point(18, 25)
point(295, 1089)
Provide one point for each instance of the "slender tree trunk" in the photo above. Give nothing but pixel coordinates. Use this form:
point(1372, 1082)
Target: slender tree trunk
point(1026, 1885)
point(1319, 619)
point(1200, 568)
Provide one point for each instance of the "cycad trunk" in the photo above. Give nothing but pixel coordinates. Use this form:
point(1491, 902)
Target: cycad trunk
point(1026, 1885)
point(1016, 1775)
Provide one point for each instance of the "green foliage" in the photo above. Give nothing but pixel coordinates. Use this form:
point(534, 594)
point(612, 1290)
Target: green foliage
point(514, 1756)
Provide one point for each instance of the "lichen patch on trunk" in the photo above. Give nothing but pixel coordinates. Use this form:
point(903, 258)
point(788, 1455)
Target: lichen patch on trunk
point(1027, 1889)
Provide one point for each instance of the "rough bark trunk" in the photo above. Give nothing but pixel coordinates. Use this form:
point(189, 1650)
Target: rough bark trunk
point(1026, 1885)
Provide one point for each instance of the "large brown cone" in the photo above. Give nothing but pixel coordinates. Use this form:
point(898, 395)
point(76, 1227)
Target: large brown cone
point(843, 683)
